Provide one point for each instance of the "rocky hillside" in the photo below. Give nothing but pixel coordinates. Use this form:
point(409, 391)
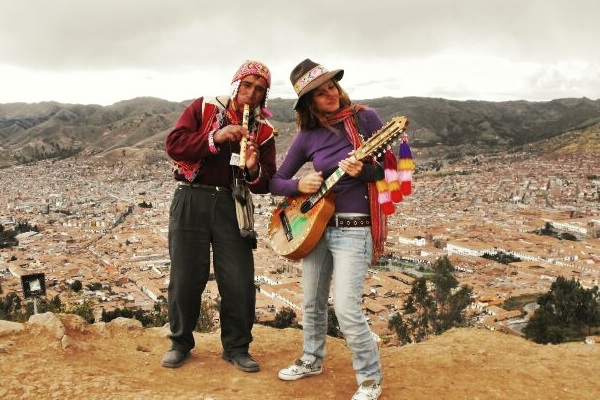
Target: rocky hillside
point(31, 132)
point(62, 357)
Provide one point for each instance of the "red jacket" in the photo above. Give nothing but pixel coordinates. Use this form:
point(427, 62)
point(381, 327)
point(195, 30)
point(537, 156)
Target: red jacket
point(187, 146)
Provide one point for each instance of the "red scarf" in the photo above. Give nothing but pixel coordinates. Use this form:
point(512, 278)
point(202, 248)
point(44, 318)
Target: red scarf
point(378, 219)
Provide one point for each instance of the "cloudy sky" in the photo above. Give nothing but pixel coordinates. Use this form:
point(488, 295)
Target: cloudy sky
point(101, 52)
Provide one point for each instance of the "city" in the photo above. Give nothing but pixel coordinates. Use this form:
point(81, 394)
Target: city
point(92, 227)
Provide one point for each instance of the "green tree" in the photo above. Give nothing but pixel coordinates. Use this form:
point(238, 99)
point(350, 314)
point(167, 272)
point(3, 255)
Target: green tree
point(432, 312)
point(206, 322)
point(333, 325)
point(55, 304)
point(85, 310)
point(455, 313)
point(76, 285)
point(397, 325)
point(566, 313)
point(284, 318)
point(421, 311)
point(538, 327)
point(443, 281)
point(160, 313)
point(10, 307)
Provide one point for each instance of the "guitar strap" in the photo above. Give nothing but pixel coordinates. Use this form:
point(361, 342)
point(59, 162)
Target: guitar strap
point(378, 218)
point(359, 126)
point(244, 206)
point(244, 209)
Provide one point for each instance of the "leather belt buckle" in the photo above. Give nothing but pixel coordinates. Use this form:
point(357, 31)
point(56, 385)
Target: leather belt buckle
point(350, 222)
point(195, 185)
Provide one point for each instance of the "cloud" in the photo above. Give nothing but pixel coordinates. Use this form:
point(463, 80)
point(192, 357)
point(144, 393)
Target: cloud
point(175, 48)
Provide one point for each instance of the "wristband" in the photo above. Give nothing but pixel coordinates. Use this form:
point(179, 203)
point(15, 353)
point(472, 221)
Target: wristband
point(255, 181)
point(211, 143)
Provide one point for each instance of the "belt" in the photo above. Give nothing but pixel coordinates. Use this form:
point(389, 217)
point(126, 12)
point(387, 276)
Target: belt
point(350, 222)
point(193, 185)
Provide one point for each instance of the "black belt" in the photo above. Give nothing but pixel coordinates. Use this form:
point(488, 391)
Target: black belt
point(205, 186)
point(350, 222)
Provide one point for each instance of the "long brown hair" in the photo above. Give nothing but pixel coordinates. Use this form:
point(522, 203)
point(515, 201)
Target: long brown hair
point(307, 116)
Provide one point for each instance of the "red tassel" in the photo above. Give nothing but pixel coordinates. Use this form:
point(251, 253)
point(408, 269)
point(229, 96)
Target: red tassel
point(388, 208)
point(391, 175)
point(406, 188)
point(396, 191)
point(384, 198)
point(405, 166)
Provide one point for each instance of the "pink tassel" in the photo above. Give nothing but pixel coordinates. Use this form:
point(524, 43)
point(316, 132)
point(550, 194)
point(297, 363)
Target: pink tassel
point(266, 112)
point(405, 166)
point(384, 198)
point(391, 175)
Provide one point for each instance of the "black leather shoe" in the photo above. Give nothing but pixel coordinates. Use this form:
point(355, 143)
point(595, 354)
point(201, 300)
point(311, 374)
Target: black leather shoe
point(243, 362)
point(174, 358)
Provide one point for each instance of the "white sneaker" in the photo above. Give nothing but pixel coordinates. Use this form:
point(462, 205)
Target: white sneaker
point(299, 370)
point(368, 390)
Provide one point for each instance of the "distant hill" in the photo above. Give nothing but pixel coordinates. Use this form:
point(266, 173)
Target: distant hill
point(35, 131)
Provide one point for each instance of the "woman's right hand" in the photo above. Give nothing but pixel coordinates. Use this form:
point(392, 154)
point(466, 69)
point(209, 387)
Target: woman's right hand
point(310, 183)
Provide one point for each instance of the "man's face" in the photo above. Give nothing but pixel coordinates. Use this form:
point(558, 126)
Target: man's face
point(252, 91)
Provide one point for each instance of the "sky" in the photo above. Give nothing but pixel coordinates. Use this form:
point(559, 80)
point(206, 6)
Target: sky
point(102, 52)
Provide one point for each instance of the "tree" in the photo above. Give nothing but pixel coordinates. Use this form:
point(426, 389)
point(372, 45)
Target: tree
point(333, 325)
point(421, 310)
point(76, 285)
point(284, 318)
point(566, 313)
point(432, 313)
point(160, 313)
point(542, 328)
point(85, 310)
point(455, 314)
point(443, 281)
point(206, 322)
point(10, 307)
point(396, 325)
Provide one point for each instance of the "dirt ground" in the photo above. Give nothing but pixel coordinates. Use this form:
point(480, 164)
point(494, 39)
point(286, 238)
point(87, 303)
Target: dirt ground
point(112, 361)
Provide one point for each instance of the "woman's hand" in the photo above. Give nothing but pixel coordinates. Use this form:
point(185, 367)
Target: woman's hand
point(351, 166)
point(310, 183)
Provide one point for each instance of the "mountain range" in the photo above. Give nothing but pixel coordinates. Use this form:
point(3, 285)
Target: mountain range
point(448, 128)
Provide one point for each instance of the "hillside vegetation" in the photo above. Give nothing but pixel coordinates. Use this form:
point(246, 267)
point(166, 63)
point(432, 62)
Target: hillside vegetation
point(31, 132)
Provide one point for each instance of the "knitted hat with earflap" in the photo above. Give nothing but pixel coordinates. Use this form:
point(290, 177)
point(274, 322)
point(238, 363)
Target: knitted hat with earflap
point(251, 67)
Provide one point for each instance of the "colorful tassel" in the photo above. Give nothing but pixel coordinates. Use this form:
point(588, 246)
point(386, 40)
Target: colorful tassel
point(384, 198)
point(405, 166)
point(391, 175)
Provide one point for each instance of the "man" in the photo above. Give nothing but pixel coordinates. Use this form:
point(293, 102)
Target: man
point(205, 147)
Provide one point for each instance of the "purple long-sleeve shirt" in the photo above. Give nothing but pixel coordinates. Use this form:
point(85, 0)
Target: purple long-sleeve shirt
point(325, 149)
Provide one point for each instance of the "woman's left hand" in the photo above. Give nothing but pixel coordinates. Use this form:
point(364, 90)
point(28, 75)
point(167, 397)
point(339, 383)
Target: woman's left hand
point(351, 166)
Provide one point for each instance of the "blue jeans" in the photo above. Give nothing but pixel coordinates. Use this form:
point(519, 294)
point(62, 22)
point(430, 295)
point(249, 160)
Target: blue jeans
point(343, 256)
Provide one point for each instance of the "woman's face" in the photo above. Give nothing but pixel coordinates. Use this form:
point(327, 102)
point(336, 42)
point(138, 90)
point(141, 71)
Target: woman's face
point(326, 98)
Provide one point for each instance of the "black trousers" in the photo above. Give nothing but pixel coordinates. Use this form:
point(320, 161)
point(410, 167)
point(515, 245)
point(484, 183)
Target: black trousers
point(198, 219)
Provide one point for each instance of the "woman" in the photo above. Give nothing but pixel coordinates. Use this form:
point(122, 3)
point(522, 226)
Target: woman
point(330, 129)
